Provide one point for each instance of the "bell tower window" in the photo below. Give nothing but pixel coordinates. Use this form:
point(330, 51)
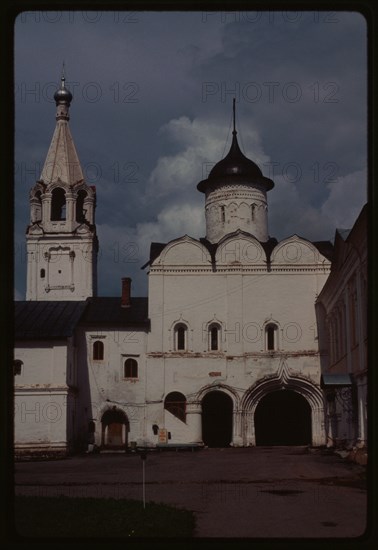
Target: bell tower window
point(58, 205)
point(80, 212)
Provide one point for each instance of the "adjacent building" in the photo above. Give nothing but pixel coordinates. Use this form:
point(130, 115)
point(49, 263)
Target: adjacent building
point(342, 318)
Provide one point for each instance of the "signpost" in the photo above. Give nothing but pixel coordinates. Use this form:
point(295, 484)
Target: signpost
point(143, 456)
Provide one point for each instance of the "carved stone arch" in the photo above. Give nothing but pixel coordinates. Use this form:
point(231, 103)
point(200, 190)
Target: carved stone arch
point(84, 187)
point(223, 419)
point(284, 379)
point(218, 386)
point(173, 333)
point(59, 183)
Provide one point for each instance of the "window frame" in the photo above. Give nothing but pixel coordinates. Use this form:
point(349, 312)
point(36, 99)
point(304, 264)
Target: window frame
point(211, 328)
point(134, 365)
point(271, 331)
point(96, 353)
point(180, 327)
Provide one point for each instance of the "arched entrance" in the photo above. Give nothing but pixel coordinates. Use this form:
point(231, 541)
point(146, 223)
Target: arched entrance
point(217, 410)
point(114, 429)
point(283, 417)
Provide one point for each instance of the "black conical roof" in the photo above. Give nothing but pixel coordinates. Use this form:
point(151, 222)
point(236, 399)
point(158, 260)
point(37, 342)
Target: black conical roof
point(235, 167)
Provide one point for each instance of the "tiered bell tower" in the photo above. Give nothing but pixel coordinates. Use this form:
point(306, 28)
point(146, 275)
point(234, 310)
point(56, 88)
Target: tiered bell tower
point(61, 237)
point(235, 192)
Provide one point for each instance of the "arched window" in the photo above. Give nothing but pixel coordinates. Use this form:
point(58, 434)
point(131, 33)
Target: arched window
point(58, 205)
point(98, 350)
point(214, 337)
point(271, 337)
point(130, 368)
point(42, 273)
point(181, 333)
point(223, 214)
point(253, 209)
point(80, 212)
point(175, 403)
point(17, 367)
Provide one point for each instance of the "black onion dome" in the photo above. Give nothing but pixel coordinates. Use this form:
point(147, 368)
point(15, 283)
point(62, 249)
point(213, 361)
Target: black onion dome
point(63, 95)
point(235, 167)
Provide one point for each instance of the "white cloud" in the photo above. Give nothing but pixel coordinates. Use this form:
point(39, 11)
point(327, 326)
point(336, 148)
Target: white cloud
point(289, 213)
point(347, 196)
point(203, 144)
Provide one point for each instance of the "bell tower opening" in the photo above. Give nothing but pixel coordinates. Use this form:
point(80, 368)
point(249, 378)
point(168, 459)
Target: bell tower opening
point(58, 205)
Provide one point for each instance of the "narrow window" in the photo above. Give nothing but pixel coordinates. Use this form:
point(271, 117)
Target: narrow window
point(180, 337)
point(131, 368)
point(214, 336)
point(17, 367)
point(42, 273)
point(271, 331)
point(98, 350)
point(223, 214)
point(253, 208)
point(58, 205)
point(175, 403)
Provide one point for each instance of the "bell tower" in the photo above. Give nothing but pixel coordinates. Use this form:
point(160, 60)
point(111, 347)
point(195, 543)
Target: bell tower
point(61, 238)
point(235, 195)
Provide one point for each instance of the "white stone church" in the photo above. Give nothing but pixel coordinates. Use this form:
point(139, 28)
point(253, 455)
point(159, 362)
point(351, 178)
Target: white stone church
point(223, 352)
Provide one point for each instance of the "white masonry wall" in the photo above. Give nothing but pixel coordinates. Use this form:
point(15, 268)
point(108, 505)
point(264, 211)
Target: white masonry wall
point(242, 295)
point(41, 394)
point(102, 383)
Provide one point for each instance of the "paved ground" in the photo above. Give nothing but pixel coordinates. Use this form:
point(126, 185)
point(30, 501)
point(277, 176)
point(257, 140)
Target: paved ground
point(264, 492)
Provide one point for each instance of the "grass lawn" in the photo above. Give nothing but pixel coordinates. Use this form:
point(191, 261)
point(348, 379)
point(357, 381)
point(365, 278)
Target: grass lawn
point(93, 517)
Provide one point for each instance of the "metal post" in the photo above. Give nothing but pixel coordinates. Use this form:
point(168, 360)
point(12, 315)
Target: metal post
point(144, 487)
point(143, 456)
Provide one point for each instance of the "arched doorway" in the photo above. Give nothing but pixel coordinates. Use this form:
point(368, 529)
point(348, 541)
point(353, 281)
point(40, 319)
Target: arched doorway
point(114, 429)
point(283, 417)
point(217, 419)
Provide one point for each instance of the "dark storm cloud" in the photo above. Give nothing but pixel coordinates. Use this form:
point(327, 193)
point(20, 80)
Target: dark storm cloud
point(152, 96)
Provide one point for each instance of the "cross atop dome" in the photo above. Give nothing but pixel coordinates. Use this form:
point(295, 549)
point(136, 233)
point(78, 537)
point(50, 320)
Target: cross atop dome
point(235, 165)
point(235, 192)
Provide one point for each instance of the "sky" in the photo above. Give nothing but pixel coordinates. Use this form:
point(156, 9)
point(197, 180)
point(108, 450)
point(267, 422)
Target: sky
point(152, 113)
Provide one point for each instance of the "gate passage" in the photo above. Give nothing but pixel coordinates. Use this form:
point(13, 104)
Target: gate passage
point(283, 417)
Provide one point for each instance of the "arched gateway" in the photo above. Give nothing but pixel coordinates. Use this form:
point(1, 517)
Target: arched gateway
point(283, 417)
point(285, 408)
point(217, 412)
point(115, 427)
